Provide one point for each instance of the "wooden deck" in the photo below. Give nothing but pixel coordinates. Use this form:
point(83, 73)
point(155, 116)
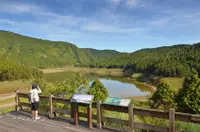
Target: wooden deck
point(22, 122)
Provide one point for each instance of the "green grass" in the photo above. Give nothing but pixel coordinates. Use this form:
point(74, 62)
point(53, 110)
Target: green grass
point(11, 100)
point(56, 77)
point(100, 71)
point(59, 74)
point(137, 75)
point(7, 101)
point(176, 83)
point(6, 110)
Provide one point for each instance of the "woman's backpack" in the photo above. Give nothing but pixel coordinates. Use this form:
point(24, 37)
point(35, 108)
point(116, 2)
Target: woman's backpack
point(29, 97)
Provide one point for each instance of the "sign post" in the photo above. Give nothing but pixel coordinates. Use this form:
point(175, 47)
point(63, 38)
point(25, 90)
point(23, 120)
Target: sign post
point(82, 99)
point(117, 101)
point(89, 117)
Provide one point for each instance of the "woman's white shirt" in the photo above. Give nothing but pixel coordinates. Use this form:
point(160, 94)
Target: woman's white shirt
point(34, 95)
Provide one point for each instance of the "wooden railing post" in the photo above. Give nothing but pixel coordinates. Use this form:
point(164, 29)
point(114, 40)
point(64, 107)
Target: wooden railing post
point(89, 118)
point(98, 105)
point(17, 101)
point(172, 120)
point(131, 118)
point(51, 114)
point(102, 114)
point(74, 113)
point(76, 116)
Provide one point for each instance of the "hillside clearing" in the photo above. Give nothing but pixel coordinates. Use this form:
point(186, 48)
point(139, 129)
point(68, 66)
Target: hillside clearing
point(100, 71)
point(174, 82)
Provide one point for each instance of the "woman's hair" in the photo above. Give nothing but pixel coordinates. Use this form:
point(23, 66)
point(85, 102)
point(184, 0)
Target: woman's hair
point(34, 86)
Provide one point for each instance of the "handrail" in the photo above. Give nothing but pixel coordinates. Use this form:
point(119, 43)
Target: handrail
point(170, 115)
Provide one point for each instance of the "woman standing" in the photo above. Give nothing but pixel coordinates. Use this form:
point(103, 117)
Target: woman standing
point(35, 99)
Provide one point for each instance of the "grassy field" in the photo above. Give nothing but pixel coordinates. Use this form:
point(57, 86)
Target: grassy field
point(176, 83)
point(7, 101)
point(58, 76)
point(100, 71)
point(137, 75)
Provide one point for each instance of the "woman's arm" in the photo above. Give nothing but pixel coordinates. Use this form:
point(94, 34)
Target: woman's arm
point(39, 90)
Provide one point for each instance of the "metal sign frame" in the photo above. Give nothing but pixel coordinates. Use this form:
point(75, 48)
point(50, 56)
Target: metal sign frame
point(82, 98)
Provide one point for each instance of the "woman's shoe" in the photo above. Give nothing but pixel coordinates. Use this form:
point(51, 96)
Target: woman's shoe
point(37, 118)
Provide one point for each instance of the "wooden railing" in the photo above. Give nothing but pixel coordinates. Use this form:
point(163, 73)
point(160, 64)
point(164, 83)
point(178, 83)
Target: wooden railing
point(101, 119)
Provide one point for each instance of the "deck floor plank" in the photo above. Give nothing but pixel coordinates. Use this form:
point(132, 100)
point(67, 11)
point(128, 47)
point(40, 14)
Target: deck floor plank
point(19, 122)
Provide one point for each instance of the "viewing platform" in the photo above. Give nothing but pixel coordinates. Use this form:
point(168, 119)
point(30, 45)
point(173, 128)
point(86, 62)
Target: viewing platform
point(22, 122)
point(80, 117)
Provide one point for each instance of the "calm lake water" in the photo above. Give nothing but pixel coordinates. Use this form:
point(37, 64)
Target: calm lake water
point(117, 86)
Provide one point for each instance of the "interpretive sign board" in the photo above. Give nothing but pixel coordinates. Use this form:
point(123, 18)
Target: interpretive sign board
point(117, 101)
point(82, 98)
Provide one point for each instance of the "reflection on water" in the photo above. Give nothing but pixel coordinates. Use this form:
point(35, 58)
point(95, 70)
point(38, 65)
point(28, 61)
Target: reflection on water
point(117, 86)
point(122, 87)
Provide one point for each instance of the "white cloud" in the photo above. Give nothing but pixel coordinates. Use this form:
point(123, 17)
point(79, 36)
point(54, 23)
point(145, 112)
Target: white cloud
point(41, 13)
point(193, 41)
point(160, 22)
point(116, 1)
point(129, 3)
point(132, 3)
point(56, 26)
point(19, 8)
point(6, 21)
point(100, 27)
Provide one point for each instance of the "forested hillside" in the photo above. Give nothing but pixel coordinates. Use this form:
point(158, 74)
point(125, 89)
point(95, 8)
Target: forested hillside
point(44, 53)
point(177, 60)
point(9, 70)
point(172, 61)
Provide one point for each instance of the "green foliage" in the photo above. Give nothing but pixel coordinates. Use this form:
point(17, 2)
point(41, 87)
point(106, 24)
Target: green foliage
point(98, 90)
point(164, 96)
point(188, 98)
point(67, 87)
point(10, 70)
point(169, 61)
point(43, 53)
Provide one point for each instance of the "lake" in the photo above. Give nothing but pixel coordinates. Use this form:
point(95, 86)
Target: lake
point(117, 86)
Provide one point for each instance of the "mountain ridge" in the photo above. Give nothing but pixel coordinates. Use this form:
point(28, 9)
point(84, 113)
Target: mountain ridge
point(176, 60)
point(53, 53)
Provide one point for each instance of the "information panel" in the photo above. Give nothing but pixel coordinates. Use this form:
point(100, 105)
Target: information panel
point(82, 98)
point(117, 101)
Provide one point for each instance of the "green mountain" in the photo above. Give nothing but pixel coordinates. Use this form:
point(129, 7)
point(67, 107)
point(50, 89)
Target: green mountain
point(177, 60)
point(43, 53)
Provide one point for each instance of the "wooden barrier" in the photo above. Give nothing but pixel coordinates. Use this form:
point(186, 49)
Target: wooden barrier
point(131, 112)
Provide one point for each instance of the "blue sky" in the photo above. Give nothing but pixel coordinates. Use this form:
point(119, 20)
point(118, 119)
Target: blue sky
point(123, 25)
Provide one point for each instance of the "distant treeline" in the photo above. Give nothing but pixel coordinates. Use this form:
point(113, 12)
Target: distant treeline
point(169, 61)
point(10, 70)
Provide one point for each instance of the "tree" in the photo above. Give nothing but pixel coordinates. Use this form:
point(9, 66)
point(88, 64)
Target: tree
point(68, 87)
point(98, 90)
point(164, 96)
point(188, 98)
